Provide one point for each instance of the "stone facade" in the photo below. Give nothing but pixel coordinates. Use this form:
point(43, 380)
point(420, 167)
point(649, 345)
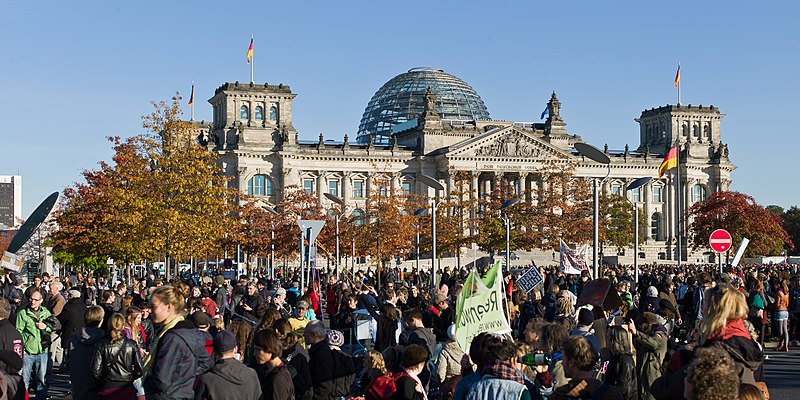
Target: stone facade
point(258, 146)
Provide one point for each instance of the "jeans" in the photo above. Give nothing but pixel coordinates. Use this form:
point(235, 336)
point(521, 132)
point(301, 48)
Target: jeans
point(40, 364)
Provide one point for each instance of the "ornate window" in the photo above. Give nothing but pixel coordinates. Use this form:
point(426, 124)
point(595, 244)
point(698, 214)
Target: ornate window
point(658, 194)
point(685, 129)
point(273, 113)
point(358, 189)
point(333, 188)
point(616, 190)
point(259, 185)
point(655, 226)
point(636, 195)
point(406, 187)
point(699, 193)
point(707, 130)
point(308, 186)
point(259, 113)
point(244, 113)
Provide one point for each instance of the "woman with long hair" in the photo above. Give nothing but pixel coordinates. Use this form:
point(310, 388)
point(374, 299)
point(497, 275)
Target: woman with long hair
point(276, 381)
point(177, 344)
point(295, 356)
point(757, 309)
point(782, 314)
point(621, 370)
point(117, 363)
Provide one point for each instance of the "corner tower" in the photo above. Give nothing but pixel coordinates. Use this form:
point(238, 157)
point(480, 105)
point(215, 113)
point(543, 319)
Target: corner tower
point(660, 128)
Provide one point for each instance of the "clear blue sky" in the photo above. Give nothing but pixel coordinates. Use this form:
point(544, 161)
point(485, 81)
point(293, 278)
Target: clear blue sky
point(76, 72)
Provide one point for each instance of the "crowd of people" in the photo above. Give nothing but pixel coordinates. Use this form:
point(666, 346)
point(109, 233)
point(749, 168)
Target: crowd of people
point(681, 332)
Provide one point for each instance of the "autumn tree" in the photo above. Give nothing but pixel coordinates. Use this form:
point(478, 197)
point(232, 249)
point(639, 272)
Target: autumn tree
point(390, 225)
point(740, 215)
point(616, 222)
point(295, 205)
point(791, 223)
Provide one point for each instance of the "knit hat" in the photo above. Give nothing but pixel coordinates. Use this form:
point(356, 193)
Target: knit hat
point(224, 342)
point(652, 291)
point(585, 317)
point(335, 338)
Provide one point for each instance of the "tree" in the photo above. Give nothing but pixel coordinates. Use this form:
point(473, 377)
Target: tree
point(740, 215)
point(616, 223)
point(777, 210)
point(791, 223)
point(164, 194)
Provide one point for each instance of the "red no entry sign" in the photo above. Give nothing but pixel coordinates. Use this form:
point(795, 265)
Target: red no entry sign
point(720, 240)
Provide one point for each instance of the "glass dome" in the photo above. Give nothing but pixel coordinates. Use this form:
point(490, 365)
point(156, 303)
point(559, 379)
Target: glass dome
point(402, 99)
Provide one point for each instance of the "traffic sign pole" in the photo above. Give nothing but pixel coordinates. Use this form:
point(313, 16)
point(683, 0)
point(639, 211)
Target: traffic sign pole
point(720, 241)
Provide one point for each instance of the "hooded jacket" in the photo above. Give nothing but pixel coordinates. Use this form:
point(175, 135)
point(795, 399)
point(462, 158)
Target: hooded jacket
point(183, 346)
point(228, 379)
point(81, 352)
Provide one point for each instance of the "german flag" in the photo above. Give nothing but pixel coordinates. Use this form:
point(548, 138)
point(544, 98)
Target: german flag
point(250, 52)
point(191, 97)
point(677, 74)
point(670, 162)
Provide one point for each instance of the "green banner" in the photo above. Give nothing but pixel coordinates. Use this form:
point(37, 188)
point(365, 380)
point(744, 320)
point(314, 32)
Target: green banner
point(479, 307)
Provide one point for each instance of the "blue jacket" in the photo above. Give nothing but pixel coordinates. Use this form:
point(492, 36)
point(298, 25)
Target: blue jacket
point(181, 356)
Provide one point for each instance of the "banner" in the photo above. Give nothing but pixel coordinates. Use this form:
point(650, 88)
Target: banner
point(574, 261)
point(479, 307)
point(740, 253)
point(530, 279)
point(12, 262)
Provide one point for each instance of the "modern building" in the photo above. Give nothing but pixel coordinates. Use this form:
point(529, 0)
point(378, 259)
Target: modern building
point(426, 121)
point(10, 201)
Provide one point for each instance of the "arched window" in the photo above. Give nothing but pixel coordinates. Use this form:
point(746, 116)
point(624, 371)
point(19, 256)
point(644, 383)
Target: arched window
point(259, 185)
point(244, 113)
point(695, 131)
point(655, 226)
point(707, 131)
point(273, 113)
point(358, 217)
point(685, 129)
point(699, 193)
point(259, 113)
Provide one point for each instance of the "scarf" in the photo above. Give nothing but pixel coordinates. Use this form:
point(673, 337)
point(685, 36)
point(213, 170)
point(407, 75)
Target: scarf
point(503, 370)
point(734, 327)
point(169, 323)
point(420, 387)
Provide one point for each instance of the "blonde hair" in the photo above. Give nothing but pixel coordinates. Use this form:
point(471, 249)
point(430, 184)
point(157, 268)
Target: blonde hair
point(169, 295)
point(94, 316)
point(722, 303)
point(115, 327)
point(375, 360)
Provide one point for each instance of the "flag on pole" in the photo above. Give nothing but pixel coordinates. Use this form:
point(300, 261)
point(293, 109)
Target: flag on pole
point(250, 51)
point(545, 113)
point(678, 76)
point(670, 162)
point(191, 97)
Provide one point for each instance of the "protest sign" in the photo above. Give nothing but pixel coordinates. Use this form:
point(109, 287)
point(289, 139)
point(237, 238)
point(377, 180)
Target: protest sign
point(12, 261)
point(573, 261)
point(530, 279)
point(479, 307)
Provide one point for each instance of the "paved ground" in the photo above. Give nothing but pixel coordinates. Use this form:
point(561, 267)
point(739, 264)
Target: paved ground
point(783, 374)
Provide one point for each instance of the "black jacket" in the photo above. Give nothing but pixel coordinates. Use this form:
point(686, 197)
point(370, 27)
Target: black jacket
point(117, 364)
point(386, 336)
point(276, 384)
point(182, 346)
point(622, 374)
point(332, 372)
point(228, 379)
point(10, 339)
point(81, 351)
point(72, 317)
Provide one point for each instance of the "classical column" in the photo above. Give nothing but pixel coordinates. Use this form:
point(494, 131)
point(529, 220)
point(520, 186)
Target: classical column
point(474, 187)
point(321, 185)
point(345, 194)
point(526, 194)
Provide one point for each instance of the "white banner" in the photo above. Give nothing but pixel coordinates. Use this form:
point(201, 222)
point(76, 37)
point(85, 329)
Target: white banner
point(574, 261)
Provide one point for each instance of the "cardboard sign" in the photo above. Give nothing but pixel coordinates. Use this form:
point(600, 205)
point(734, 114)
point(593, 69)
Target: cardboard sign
point(12, 261)
point(599, 293)
point(530, 279)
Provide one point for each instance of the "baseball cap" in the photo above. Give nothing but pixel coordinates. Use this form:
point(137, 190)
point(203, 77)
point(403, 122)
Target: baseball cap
point(224, 342)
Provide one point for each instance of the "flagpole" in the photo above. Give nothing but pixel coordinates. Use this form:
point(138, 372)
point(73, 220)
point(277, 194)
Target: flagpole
point(192, 100)
point(253, 56)
point(678, 203)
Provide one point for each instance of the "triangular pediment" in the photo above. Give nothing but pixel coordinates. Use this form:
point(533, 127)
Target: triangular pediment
point(506, 142)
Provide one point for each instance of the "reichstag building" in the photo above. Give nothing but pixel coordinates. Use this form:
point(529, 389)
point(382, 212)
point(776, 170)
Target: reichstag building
point(427, 121)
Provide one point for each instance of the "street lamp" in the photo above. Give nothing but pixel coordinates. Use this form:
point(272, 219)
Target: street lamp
point(436, 185)
point(633, 186)
point(417, 213)
point(341, 203)
point(594, 154)
point(271, 243)
point(508, 203)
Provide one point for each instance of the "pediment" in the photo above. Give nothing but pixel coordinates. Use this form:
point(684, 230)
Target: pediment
point(506, 142)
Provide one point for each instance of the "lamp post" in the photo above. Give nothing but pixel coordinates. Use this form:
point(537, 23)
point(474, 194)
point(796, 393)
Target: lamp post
point(271, 243)
point(340, 202)
point(633, 186)
point(417, 213)
point(506, 204)
point(436, 185)
point(596, 155)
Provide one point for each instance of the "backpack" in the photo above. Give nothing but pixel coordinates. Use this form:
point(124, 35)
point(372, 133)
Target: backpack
point(383, 387)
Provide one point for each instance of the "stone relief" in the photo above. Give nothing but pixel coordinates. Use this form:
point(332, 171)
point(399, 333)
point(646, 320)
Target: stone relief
point(514, 145)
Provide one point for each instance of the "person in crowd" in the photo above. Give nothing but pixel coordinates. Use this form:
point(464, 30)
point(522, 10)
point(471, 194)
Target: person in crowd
point(782, 314)
point(221, 295)
point(579, 359)
point(332, 372)
point(229, 378)
point(36, 341)
point(500, 380)
point(667, 294)
point(704, 282)
point(247, 306)
point(10, 338)
point(374, 366)
point(299, 320)
point(387, 320)
point(295, 357)
point(650, 339)
point(551, 339)
point(757, 313)
point(273, 375)
point(72, 319)
point(117, 363)
point(243, 332)
point(449, 363)
point(178, 343)
point(709, 376)
point(408, 385)
point(584, 328)
point(81, 350)
point(279, 303)
point(621, 370)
